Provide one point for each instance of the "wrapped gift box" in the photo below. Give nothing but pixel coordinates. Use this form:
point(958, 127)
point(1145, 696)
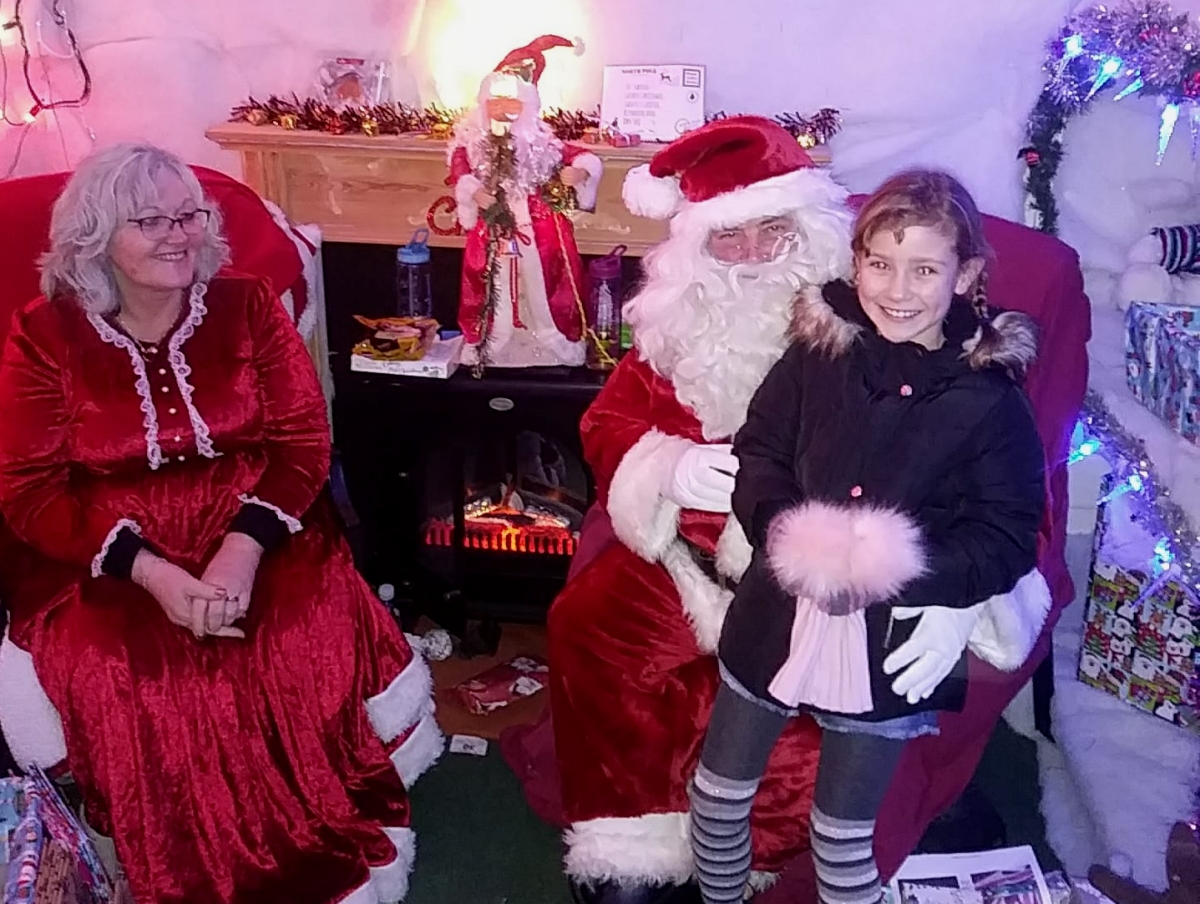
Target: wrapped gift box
point(502, 684)
point(51, 858)
point(1162, 361)
point(1141, 635)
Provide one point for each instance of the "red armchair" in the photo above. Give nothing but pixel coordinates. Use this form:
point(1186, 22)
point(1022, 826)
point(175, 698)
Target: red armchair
point(1039, 275)
point(262, 242)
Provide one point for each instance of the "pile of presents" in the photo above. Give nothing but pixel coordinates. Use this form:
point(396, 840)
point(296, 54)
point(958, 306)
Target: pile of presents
point(1141, 635)
point(46, 854)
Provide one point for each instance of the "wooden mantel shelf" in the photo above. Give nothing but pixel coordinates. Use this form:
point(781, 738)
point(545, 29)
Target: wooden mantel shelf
point(380, 190)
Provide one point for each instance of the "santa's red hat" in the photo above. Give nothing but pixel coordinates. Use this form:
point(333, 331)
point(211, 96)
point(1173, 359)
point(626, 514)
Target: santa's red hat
point(728, 172)
point(529, 61)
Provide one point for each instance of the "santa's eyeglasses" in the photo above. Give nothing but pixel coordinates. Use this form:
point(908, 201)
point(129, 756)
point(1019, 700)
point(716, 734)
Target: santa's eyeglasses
point(760, 242)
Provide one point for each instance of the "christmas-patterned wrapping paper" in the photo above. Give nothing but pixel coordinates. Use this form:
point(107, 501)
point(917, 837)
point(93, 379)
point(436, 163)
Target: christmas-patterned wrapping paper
point(51, 858)
point(1162, 363)
point(1141, 632)
point(25, 846)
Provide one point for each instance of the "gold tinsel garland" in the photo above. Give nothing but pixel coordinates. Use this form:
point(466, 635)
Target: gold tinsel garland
point(312, 115)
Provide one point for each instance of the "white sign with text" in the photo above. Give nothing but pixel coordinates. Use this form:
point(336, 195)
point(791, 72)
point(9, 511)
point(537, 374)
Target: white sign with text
point(658, 103)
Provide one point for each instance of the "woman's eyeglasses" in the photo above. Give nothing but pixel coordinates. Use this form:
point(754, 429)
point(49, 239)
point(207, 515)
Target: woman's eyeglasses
point(158, 228)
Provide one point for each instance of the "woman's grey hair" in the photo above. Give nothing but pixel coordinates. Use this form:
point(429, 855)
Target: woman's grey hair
point(107, 189)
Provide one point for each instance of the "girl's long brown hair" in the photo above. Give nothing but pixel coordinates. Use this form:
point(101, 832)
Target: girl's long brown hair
point(922, 197)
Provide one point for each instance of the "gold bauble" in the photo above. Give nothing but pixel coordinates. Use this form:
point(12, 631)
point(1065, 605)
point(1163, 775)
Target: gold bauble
point(806, 141)
point(370, 127)
point(289, 120)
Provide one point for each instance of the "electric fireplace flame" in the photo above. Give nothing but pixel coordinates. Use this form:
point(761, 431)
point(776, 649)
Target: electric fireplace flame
point(510, 524)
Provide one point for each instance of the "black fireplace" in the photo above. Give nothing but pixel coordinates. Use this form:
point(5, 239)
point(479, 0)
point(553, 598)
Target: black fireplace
point(469, 491)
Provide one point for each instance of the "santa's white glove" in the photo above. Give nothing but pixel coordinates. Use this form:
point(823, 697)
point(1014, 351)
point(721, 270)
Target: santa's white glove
point(703, 478)
point(934, 648)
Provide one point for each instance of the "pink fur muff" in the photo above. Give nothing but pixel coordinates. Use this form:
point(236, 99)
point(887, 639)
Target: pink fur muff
point(844, 558)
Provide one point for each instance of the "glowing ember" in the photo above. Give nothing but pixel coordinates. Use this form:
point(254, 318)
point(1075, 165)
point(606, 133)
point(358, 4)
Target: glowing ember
point(501, 527)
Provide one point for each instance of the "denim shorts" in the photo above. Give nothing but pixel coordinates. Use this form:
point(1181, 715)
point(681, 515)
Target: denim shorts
point(900, 728)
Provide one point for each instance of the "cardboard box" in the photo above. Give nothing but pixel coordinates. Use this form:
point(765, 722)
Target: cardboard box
point(440, 362)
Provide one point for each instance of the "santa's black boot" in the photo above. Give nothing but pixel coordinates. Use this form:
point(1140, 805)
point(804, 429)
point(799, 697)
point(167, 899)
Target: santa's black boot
point(971, 824)
point(628, 893)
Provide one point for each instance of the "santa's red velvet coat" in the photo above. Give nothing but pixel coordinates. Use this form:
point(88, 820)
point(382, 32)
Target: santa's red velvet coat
point(269, 769)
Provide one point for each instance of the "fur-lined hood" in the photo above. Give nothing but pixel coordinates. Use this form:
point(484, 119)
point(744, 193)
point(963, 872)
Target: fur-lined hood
point(829, 319)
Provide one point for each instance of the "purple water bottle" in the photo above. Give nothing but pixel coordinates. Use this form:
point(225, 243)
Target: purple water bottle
point(605, 293)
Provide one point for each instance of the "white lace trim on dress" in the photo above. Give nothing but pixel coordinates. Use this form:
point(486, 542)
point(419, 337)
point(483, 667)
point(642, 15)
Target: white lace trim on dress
point(196, 312)
point(141, 383)
point(183, 370)
point(293, 525)
point(98, 559)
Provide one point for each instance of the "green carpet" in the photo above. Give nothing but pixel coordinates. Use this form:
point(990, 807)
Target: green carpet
point(478, 843)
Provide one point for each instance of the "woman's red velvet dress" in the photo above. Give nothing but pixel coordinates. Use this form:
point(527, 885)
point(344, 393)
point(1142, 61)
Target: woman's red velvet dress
point(270, 769)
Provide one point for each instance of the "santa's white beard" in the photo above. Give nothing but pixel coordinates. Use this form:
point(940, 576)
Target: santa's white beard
point(715, 331)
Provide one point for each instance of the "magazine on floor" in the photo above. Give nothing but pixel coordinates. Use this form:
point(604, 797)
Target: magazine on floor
point(1003, 876)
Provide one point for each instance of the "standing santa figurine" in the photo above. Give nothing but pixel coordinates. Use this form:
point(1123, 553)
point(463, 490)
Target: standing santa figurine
point(522, 282)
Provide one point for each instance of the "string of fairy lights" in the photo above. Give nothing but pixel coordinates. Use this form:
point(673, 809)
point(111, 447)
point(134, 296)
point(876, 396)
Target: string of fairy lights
point(25, 54)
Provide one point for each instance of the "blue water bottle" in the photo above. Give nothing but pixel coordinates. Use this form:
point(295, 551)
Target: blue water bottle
point(414, 290)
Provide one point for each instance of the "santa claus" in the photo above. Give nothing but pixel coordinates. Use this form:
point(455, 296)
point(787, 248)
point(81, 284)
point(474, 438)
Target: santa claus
point(522, 279)
point(753, 223)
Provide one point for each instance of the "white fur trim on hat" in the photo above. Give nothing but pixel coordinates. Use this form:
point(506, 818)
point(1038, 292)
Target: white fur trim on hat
point(650, 196)
point(792, 192)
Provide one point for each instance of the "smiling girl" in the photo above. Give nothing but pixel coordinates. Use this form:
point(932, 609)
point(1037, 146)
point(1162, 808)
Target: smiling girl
point(891, 484)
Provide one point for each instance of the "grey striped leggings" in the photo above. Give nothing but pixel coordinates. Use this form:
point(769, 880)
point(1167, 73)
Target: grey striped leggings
point(853, 775)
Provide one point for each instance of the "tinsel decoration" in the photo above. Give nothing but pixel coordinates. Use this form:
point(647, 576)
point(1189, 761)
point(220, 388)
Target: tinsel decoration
point(1160, 515)
point(436, 121)
point(1138, 47)
point(809, 131)
point(503, 238)
point(316, 116)
point(569, 125)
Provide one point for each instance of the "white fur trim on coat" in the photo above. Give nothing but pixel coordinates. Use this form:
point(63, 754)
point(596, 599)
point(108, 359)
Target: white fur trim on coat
point(31, 724)
point(704, 603)
point(464, 199)
point(734, 551)
point(586, 191)
point(420, 750)
point(863, 553)
point(1010, 623)
point(650, 849)
point(642, 517)
point(390, 883)
point(402, 703)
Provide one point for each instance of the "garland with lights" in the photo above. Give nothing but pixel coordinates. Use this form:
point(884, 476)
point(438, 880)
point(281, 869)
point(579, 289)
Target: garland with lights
point(437, 121)
point(1175, 551)
point(1139, 47)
